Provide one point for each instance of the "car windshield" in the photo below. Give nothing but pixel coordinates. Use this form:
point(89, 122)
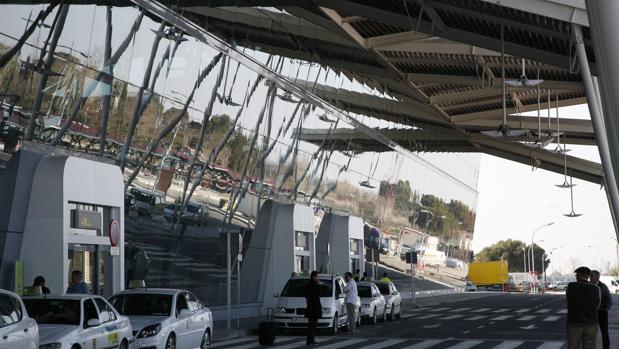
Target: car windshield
point(383, 288)
point(54, 311)
point(193, 208)
point(296, 288)
point(364, 291)
point(143, 304)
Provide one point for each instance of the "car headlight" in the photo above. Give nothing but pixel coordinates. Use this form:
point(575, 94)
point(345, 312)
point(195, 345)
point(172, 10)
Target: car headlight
point(279, 310)
point(149, 331)
point(50, 346)
point(326, 311)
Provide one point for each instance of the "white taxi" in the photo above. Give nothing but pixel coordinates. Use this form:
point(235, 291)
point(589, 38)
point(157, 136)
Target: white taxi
point(373, 303)
point(165, 318)
point(78, 321)
point(17, 330)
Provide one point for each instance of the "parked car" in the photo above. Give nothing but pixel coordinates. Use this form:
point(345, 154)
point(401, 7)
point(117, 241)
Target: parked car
point(78, 321)
point(470, 287)
point(165, 318)
point(612, 283)
point(373, 305)
point(561, 286)
point(196, 213)
point(289, 311)
point(392, 298)
point(17, 329)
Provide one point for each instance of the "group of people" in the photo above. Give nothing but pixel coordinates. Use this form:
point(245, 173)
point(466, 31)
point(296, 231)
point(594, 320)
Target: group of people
point(313, 310)
point(76, 284)
point(588, 303)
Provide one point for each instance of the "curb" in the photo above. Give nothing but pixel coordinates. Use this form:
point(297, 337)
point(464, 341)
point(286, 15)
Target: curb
point(233, 334)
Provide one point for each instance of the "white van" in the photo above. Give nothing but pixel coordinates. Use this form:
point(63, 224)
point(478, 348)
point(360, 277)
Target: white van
point(612, 282)
point(289, 312)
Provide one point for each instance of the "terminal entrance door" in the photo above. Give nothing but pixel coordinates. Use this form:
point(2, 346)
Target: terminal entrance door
point(95, 262)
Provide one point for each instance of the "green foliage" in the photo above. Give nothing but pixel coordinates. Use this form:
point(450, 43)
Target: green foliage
point(513, 252)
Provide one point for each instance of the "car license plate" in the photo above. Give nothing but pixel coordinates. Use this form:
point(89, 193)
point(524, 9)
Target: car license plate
point(299, 319)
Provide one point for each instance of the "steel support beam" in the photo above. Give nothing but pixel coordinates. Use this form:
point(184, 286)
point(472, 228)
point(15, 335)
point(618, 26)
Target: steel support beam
point(570, 11)
point(498, 113)
point(476, 80)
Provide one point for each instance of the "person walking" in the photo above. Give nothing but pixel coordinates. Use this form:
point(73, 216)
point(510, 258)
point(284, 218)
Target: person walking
point(605, 304)
point(313, 309)
point(583, 302)
point(351, 301)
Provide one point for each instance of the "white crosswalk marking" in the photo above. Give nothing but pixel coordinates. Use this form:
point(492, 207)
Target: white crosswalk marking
point(462, 309)
point(508, 345)
point(564, 311)
point(478, 317)
point(406, 316)
point(480, 310)
point(439, 309)
point(296, 344)
point(520, 311)
point(343, 343)
point(425, 344)
point(527, 318)
point(501, 318)
point(428, 316)
point(465, 345)
point(502, 310)
point(543, 311)
point(551, 345)
point(451, 317)
point(552, 318)
point(383, 344)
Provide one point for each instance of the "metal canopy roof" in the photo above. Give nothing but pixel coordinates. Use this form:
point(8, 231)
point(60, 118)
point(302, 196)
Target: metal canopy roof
point(439, 60)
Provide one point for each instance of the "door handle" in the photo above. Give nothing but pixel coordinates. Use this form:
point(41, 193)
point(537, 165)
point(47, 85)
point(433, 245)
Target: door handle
point(25, 329)
point(5, 337)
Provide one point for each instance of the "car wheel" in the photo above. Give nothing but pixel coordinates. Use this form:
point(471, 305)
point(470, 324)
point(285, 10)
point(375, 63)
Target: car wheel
point(391, 315)
point(170, 343)
point(333, 329)
point(123, 345)
point(383, 318)
point(373, 318)
point(75, 346)
point(206, 340)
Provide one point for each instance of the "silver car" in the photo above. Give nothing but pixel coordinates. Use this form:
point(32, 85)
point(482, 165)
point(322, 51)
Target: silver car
point(392, 298)
point(373, 305)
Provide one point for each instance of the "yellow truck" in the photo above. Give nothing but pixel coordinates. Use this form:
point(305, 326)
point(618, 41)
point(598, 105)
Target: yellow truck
point(489, 273)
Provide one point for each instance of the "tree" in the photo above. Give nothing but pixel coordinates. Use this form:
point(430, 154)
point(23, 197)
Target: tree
point(512, 252)
point(403, 196)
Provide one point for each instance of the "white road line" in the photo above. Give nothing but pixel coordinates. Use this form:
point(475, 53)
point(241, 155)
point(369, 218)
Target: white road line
point(543, 311)
point(439, 309)
point(552, 318)
point(406, 316)
point(508, 345)
point(451, 317)
point(502, 310)
point(343, 343)
point(564, 311)
point(475, 318)
point(526, 318)
point(502, 317)
point(425, 344)
point(520, 311)
point(462, 309)
point(428, 316)
point(480, 310)
point(551, 345)
point(230, 341)
point(465, 345)
point(384, 343)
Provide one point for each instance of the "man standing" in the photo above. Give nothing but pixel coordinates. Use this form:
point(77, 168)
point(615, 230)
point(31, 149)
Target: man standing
point(351, 301)
point(607, 302)
point(583, 302)
point(313, 309)
point(77, 283)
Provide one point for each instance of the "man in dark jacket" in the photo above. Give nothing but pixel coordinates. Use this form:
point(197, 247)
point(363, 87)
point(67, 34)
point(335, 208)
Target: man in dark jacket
point(583, 302)
point(313, 309)
point(607, 302)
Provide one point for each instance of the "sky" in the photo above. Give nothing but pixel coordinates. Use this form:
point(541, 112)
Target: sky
point(512, 202)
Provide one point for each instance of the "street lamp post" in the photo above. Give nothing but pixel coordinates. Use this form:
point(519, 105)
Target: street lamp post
point(524, 257)
point(532, 249)
point(532, 276)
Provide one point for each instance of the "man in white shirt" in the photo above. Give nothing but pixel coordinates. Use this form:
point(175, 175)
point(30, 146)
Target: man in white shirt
point(351, 301)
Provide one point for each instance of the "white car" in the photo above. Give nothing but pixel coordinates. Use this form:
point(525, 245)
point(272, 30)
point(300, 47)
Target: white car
point(392, 298)
point(470, 287)
point(165, 318)
point(78, 321)
point(373, 305)
point(17, 329)
point(289, 311)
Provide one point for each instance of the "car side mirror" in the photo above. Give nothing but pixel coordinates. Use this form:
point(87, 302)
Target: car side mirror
point(93, 323)
point(184, 313)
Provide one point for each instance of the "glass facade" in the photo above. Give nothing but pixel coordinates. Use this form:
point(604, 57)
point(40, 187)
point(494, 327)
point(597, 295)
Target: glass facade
point(200, 138)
